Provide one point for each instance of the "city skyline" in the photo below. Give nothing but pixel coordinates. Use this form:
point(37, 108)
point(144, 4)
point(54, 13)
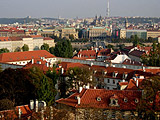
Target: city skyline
point(75, 8)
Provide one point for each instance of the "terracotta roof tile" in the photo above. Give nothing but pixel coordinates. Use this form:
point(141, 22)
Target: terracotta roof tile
point(22, 56)
point(89, 99)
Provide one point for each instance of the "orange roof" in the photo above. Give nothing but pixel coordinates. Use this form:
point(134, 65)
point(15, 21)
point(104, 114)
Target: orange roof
point(89, 99)
point(132, 84)
point(22, 56)
point(48, 38)
point(13, 114)
point(36, 36)
point(42, 66)
point(4, 38)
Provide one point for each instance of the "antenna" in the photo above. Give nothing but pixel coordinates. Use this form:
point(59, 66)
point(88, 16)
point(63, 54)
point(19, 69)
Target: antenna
point(108, 10)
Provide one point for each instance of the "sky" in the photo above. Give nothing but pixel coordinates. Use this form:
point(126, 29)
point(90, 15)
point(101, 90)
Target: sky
point(77, 8)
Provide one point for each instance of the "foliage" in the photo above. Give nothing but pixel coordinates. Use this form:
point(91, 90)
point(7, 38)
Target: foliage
point(76, 77)
point(147, 107)
point(71, 36)
point(52, 75)
point(153, 59)
point(109, 46)
point(25, 47)
point(63, 49)
point(51, 50)
point(16, 86)
point(18, 49)
point(45, 46)
point(4, 50)
point(44, 86)
point(46, 91)
point(6, 104)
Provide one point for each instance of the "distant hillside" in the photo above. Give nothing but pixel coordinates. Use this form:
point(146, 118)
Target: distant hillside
point(19, 20)
point(140, 20)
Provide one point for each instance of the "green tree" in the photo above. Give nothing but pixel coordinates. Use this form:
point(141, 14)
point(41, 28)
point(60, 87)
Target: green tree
point(63, 49)
point(148, 104)
point(4, 50)
point(51, 50)
point(18, 49)
point(25, 47)
point(135, 40)
point(46, 91)
point(16, 86)
point(71, 36)
point(45, 46)
point(42, 85)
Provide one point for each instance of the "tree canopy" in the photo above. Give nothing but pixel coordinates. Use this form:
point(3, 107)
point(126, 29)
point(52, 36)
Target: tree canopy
point(63, 49)
point(25, 47)
point(148, 105)
point(45, 46)
point(153, 58)
point(4, 50)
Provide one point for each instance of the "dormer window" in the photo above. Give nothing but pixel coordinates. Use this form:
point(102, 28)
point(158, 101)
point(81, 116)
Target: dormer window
point(125, 75)
point(99, 99)
point(136, 100)
point(114, 101)
point(115, 74)
point(125, 99)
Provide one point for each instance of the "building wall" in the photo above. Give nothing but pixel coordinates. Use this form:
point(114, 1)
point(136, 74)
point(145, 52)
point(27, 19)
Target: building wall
point(16, 44)
point(29, 42)
point(153, 34)
point(51, 43)
point(6, 44)
point(123, 33)
point(37, 43)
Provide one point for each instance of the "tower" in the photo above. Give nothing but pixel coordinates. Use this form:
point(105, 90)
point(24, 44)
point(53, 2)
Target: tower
point(108, 9)
point(126, 23)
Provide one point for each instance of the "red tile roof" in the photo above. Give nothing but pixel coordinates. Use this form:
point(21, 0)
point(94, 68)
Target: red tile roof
point(86, 54)
point(36, 36)
point(4, 38)
point(42, 66)
point(22, 56)
point(137, 53)
point(89, 99)
point(13, 114)
point(48, 38)
point(104, 52)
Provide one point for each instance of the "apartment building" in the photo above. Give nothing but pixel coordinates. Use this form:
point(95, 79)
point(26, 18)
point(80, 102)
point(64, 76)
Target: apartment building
point(34, 42)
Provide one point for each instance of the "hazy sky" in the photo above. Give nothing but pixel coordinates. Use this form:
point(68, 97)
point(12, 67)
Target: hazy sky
point(78, 8)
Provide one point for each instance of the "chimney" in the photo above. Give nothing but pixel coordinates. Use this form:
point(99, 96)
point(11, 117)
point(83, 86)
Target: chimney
point(94, 87)
point(80, 89)
point(31, 104)
point(137, 82)
point(32, 61)
point(19, 112)
point(79, 100)
point(44, 104)
point(51, 113)
point(91, 64)
point(87, 87)
point(36, 106)
point(47, 64)
point(62, 70)
point(42, 115)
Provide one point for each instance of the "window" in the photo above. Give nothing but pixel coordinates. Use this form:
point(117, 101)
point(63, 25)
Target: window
point(114, 82)
point(98, 99)
point(136, 100)
point(108, 80)
point(125, 99)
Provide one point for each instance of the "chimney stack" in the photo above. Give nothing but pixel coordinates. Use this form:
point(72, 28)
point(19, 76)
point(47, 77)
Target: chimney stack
point(32, 61)
point(31, 104)
point(36, 106)
point(19, 112)
point(137, 82)
point(79, 100)
point(80, 89)
point(62, 70)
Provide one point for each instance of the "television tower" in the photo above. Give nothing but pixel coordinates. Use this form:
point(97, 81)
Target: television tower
point(108, 9)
